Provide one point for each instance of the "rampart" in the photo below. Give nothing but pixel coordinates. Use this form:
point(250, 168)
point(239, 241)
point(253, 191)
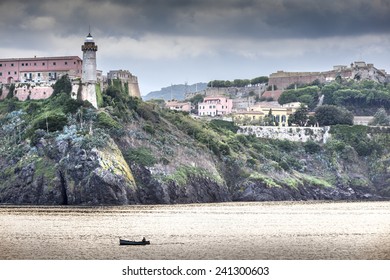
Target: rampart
point(297, 134)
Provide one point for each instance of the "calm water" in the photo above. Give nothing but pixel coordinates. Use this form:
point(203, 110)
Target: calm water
point(286, 230)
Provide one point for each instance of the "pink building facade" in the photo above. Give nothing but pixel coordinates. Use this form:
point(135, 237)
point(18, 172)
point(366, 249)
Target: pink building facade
point(39, 69)
point(215, 106)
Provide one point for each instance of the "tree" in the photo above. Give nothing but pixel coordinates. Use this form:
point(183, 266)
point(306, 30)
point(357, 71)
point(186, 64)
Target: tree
point(62, 85)
point(308, 95)
point(11, 91)
point(195, 100)
point(300, 116)
point(269, 119)
point(332, 115)
point(259, 80)
point(381, 118)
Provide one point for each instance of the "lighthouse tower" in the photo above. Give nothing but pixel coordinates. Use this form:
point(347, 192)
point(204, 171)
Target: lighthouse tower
point(89, 60)
point(86, 90)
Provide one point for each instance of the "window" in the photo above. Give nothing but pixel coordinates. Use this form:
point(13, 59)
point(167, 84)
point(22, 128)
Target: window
point(12, 64)
point(1, 65)
point(39, 74)
point(9, 73)
point(1, 74)
point(22, 64)
point(43, 63)
point(15, 72)
point(35, 64)
point(54, 63)
point(74, 62)
point(66, 63)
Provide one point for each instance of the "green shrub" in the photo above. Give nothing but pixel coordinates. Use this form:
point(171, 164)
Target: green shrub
point(147, 112)
point(242, 139)
point(106, 121)
point(311, 147)
point(251, 162)
point(141, 155)
point(99, 96)
point(51, 121)
point(96, 140)
point(286, 145)
point(221, 124)
point(335, 145)
point(148, 127)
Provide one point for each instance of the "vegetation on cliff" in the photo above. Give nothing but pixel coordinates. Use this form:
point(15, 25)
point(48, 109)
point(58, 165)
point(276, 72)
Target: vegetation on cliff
point(63, 151)
point(361, 98)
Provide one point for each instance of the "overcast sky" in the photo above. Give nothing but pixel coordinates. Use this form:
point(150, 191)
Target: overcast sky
point(166, 42)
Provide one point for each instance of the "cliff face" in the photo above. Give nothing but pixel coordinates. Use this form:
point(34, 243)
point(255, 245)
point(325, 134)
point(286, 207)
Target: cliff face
point(140, 156)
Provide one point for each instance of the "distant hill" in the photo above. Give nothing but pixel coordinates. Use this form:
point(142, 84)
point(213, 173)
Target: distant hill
point(174, 92)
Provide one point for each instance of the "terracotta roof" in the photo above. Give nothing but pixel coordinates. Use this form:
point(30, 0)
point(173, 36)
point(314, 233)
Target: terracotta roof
point(40, 58)
point(275, 94)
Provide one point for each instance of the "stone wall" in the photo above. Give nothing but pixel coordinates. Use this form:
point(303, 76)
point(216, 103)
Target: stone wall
point(38, 92)
point(297, 134)
point(88, 92)
point(25, 91)
point(134, 89)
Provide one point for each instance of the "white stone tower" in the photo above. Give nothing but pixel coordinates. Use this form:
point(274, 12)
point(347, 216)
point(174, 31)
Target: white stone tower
point(89, 60)
point(86, 90)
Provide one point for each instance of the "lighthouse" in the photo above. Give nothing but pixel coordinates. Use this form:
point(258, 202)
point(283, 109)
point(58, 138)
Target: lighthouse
point(86, 88)
point(89, 60)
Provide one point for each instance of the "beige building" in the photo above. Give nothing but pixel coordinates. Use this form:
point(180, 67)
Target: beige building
point(178, 106)
point(258, 114)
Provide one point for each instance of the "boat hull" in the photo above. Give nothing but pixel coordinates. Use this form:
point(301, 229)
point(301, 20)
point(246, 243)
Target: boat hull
point(135, 243)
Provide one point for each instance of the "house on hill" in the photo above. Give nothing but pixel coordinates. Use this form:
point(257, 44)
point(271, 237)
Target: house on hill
point(215, 106)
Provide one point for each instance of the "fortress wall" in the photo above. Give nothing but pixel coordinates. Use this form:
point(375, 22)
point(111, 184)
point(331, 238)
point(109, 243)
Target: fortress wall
point(134, 90)
point(282, 82)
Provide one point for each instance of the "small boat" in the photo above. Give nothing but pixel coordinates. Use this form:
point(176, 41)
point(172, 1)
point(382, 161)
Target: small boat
point(131, 242)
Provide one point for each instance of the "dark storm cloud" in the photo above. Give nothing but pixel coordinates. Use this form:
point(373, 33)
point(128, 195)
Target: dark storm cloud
point(218, 18)
point(248, 18)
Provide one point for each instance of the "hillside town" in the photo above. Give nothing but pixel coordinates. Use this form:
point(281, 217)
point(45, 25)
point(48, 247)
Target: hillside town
point(273, 101)
point(253, 104)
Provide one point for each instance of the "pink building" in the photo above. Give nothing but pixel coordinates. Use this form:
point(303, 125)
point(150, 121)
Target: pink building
point(39, 69)
point(215, 106)
point(178, 106)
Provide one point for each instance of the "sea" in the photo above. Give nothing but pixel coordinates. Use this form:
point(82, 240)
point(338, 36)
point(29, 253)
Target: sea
point(220, 231)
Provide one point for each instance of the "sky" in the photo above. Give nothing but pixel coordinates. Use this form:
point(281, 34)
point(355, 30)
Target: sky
point(165, 42)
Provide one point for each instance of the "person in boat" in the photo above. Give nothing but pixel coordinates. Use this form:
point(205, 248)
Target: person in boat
point(144, 239)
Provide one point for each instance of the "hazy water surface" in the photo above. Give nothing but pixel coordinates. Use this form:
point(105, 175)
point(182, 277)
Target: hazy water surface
point(285, 230)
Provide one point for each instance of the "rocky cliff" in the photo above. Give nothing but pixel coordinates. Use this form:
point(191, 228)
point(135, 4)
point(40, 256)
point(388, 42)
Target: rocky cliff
point(64, 152)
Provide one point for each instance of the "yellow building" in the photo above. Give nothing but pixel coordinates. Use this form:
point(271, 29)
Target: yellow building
point(266, 113)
